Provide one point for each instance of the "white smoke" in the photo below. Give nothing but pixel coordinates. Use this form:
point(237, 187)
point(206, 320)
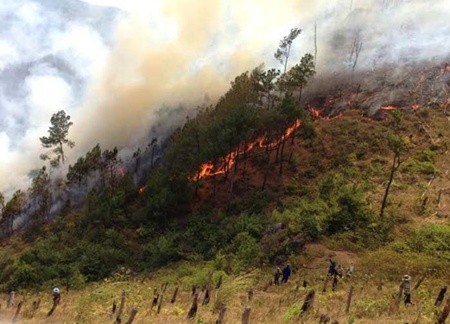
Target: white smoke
point(120, 76)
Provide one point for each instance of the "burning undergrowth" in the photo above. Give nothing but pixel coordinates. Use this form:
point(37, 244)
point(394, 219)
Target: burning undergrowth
point(375, 92)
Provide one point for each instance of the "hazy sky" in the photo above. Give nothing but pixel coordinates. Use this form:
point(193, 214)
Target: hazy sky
point(121, 68)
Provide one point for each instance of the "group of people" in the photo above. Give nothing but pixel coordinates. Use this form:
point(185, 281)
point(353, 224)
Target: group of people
point(285, 274)
point(335, 271)
point(338, 270)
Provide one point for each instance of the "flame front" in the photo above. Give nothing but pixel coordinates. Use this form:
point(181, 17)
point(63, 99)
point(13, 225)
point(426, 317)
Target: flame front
point(208, 169)
point(388, 108)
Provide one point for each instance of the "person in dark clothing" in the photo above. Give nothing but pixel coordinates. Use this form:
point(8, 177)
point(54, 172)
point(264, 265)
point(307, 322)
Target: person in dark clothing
point(276, 277)
point(332, 268)
point(286, 273)
point(406, 285)
point(56, 295)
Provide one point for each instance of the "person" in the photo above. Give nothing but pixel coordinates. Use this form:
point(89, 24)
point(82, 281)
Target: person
point(286, 273)
point(277, 276)
point(12, 296)
point(339, 270)
point(332, 268)
point(350, 270)
point(56, 295)
point(406, 285)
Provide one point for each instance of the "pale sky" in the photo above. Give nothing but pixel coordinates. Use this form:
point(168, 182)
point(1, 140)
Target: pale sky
point(120, 67)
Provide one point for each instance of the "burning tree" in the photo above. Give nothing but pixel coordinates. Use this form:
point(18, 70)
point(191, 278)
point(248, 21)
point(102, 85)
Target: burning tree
point(57, 138)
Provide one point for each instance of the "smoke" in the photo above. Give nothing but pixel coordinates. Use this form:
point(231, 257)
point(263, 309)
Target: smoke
point(130, 71)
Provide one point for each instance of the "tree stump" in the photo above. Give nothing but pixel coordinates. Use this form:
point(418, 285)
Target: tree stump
point(349, 300)
point(132, 316)
point(206, 298)
point(440, 297)
point(219, 283)
point(246, 315)
point(250, 294)
point(324, 319)
point(121, 307)
point(324, 289)
point(267, 285)
point(419, 282)
point(443, 317)
point(193, 310)
point(309, 301)
point(174, 296)
point(155, 299)
point(16, 315)
point(222, 311)
point(161, 297)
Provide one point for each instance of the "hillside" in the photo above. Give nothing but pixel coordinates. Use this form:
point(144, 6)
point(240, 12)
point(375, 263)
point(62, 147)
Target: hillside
point(249, 184)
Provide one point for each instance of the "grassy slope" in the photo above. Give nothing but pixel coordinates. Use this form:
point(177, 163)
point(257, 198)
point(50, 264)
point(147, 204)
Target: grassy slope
point(346, 140)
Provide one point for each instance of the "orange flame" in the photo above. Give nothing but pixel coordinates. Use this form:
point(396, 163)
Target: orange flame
point(141, 189)
point(415, 107)
point(208, 169)
point(388, 108)
point(315, 113)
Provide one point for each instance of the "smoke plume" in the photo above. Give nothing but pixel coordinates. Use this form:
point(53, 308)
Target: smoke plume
point(127, 73)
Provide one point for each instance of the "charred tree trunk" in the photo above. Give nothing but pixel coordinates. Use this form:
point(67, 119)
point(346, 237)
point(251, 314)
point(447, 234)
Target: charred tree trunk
point(193, 310)
point(394, 167)
point(16, 315)
point(266, 173)
point(222, 311)
point(174, 296)
point(283, 141)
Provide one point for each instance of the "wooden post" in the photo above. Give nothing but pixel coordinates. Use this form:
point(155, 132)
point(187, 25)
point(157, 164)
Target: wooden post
point(16, 315)
point(155, 299)
point(349, 300)
point(399, 295)
point(309, 301)
point(250, 294)
point(219, 283)
point(121, 307)
point(324, 289)
point(164, 287)
point(55, 304)
point(380, 284)
point(35, 307)
point(174, 296)
point(443, 317)
point(246, 315)
point(161, 297)
point(324, 319)
point(207, 297)
point(222, 311)
point(419, 282)
point(440, 297)
point(267, 285)
point(193, 311)
point(132, 316)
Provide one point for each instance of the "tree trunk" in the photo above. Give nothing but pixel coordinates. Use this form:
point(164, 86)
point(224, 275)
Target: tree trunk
point(283, 141)
point(394, 167)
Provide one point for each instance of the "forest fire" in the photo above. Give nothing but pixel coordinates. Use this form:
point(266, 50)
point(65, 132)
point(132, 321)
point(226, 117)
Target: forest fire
point(210, 169)
point(141, 189)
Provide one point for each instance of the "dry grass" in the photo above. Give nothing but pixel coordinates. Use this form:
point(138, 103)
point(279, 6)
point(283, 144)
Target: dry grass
point(280, 304)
